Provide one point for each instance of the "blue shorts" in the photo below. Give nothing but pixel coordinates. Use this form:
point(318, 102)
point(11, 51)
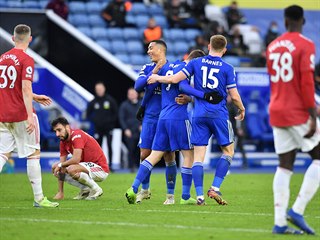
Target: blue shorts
point(172, 135)
point(147, 133)
point(203, 128)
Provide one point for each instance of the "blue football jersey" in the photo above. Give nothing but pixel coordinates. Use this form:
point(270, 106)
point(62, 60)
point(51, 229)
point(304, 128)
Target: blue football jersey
point(211, 74)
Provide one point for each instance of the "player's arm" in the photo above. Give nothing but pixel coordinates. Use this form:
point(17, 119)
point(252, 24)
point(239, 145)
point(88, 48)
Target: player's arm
point(75, 159)
point(60, 174)
point(173, 79)
point(27, 98)
point(141, 82)
point(236, 99)
point(42, 99)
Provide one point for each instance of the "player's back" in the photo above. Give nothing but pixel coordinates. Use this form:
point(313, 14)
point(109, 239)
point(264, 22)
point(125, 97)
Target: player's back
point(211, 74)
point(287, 57)
point(171, 109)
point(15, 66)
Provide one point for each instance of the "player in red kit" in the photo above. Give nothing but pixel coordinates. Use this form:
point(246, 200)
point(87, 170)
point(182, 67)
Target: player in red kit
point(87, 165)
point(19, 128)
point(290, 62)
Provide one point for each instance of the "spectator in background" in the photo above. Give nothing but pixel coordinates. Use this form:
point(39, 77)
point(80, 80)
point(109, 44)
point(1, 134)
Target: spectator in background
point(233, 15)
point(272, 34)
point(236, 44)
point(115, 13)
point(59, 7)
point(131, 127)
point(103, 112)
point(152, 32)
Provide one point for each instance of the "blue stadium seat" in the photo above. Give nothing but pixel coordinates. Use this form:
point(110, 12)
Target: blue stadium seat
point(105, 44)
point(180, 47)
point(32, 4)
point(96, 21)
point(190, 34)
point(94, 7)
point(161, 21)
point(156, 9)
point(176, 34)
point(138, 59)
point(170, 47)
point(233, 60)
point(131, 19)
point(142, 21)
point(139, 8)
point(79, 20)
point(77, 7)
point(134, 47)
point(99, 33)
point(171, 57)
point(123, 57)
point(14, 4)
point(86, 31)
point(115, 33)
point(43, 3)
point(118, 46)
point(3, 3)
point(131, 34)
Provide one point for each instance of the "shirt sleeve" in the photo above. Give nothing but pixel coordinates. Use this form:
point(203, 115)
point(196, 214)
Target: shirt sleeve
point(28, 69)
point(186, 88)
point(78, 141)
point(141, 81)
point(231, 78)
point(188, 70)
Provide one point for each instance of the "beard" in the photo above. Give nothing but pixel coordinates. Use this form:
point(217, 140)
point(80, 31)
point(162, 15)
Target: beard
point(65, 137)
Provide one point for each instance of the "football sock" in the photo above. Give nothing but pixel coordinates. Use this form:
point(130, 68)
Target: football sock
point(3, 160)
point(186, 174)
point(85, 179)
point(197, 175)
point(34, 175)
point(74, 182)
point(143, 171)
point(221, 171)
point(281, 194)
point(171, 174)
point(309, 187)
point(146, 182)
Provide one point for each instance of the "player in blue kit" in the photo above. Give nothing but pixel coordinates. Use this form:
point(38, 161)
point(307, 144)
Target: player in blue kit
point(210, 73)
point(173, 131)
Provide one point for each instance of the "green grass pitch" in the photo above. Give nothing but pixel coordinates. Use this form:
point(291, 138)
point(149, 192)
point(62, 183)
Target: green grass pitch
point(249, 214)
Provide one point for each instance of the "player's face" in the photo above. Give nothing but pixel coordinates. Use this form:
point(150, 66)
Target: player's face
point(154, 52)
point(61, 132)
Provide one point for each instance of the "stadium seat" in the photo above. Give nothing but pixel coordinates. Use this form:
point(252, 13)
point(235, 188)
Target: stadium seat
point(233, 60)
point(14, 4)
point(161, 21)
point(156, 9)
point(123, 57)
point(86, 31)
point(96, 21)
point(43, 3)
point(99, 33)
point(32, 4)
point(105, 44)
point(131, 34)
point(190, 34)
point(77, 7)
point(115, 33)
point(139, 8)
point(170, 47)
point(180, 48)
point(138, 59)
point(131, 19)
point(118, 46)
point(215, 13)
point(3, 4)
point(93, 7)
point(176, 34)
point(134, 47)
point(171, 57)
point(142, 21)
point(79, 20)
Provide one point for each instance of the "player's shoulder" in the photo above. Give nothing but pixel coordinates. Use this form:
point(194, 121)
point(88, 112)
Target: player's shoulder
point(76, 133)
point(305, 39)
point(147, 68)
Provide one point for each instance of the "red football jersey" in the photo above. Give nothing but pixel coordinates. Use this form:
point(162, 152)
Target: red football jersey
point(290, 62)
point(91, 150)
point(15, 66)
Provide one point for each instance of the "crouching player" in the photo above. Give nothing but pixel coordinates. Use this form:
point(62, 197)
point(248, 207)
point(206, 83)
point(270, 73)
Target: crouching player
point(87, 165)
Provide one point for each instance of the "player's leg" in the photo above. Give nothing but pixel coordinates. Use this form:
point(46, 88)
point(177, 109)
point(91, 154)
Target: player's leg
point(7, 143)
point(109, 136)
point(145, 192)
point(171, 176)
point(186, 175)
point(285, 146)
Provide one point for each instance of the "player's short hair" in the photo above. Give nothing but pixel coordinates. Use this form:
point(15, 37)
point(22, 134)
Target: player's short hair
point(195, 54)
point(100, 82)
point(160, 42)
point(62, 120)
point(218, 43)
point(293, 12)
point(22, 33)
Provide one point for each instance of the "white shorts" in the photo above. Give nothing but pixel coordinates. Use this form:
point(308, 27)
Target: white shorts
point(95, 171)
point(14, 137)
point(290, 138)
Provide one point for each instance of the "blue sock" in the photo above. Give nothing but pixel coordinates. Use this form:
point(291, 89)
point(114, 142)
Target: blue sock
point(197, 174)
point(144, 170)
point(146, 182)
point(171, 174)
point(186, 174)
point(221, 170)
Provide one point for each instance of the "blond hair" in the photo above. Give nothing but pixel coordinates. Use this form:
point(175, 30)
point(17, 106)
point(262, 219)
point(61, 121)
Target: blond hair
point(22, 33)
point(218, 43)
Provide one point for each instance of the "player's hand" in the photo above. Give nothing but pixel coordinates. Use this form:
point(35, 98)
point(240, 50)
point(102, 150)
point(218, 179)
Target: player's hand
point(153, 79)
point(312, 128)
point(43, 99)
point(140, 113)
point(241, 114)
point(30, 125)
point(159, 65)
point(183, 99)
point(213, 97)
point(128, 133)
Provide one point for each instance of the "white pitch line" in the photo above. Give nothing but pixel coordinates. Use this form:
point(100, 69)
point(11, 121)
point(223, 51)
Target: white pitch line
point(142, 225)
